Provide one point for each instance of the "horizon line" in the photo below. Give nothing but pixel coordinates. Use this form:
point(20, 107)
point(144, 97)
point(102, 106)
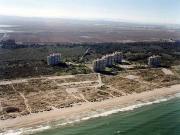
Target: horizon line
point(93, 19)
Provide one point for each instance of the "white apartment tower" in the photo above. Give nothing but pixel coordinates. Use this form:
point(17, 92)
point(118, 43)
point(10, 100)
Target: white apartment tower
point(54, 59)
point(118, 57)
point(99, 65)
point(109, 59)
point(154, 61)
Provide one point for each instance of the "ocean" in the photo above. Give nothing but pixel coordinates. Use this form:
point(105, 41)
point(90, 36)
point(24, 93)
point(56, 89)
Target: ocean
point(156, 119)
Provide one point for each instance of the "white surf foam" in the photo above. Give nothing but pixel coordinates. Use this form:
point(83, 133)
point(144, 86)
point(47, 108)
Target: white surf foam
point(107, 113)
point(26, 130)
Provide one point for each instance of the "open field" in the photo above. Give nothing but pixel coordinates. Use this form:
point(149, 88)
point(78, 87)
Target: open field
point(22, 97)
point(140, 80)
point(48, 30)
point(33, 95)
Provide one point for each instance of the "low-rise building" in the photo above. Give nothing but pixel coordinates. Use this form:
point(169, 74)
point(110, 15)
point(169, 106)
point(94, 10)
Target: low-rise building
point(54, 59)
point(154, 61)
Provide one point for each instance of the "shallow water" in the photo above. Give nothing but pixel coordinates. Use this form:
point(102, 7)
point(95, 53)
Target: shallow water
point(156, 119)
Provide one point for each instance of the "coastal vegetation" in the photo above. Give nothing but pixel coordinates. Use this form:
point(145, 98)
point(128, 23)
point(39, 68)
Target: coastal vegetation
point(30, 60)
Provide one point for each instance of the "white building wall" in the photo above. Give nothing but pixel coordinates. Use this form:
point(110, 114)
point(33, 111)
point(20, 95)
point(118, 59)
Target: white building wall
point(99, 65)
point(107, 61)
point(154, 61)
point(118, 57)
point(54, 59)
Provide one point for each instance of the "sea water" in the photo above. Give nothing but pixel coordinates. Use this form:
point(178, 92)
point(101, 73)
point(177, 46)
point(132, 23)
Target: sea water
point(156, 119)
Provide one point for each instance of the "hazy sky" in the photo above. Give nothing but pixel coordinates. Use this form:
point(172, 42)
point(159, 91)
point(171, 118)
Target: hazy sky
point(152, 11)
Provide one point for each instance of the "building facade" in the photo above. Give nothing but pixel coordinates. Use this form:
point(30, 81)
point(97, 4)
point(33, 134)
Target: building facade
point(109, 59)
point(118, 57)
point(99, 65)
point(54, 59)
point(154, 61)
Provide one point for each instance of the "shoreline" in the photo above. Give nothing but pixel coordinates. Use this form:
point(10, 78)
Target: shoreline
point(90, 110)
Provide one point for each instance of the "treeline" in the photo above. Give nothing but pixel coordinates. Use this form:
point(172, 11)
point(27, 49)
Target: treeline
point(30, 60)
point(134, 46)
point(140, 51)
point(136, 51)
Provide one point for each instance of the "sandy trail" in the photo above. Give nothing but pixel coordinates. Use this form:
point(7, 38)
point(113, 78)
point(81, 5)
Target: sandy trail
point(28, 108)
point(82, 96)
point(28, 79)
point(116, 90)
point(75, 83)
point(167, 71)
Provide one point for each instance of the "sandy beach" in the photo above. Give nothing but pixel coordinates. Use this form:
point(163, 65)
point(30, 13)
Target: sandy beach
point(87, 109)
